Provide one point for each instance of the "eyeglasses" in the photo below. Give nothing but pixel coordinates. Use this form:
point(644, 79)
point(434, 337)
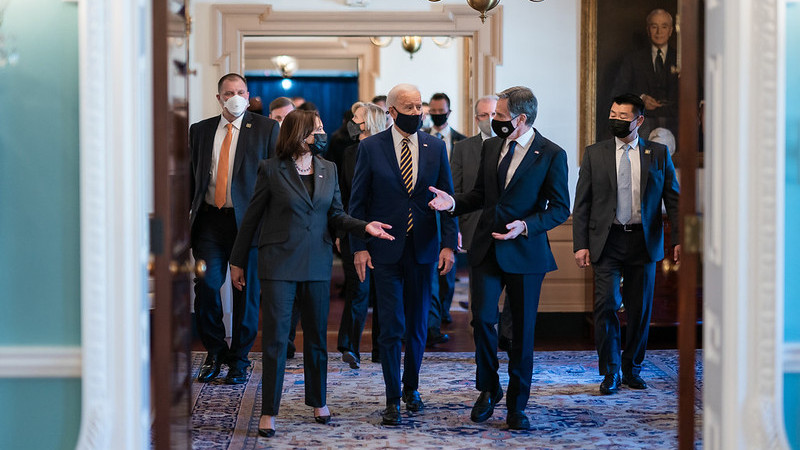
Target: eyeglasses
point(484, 116)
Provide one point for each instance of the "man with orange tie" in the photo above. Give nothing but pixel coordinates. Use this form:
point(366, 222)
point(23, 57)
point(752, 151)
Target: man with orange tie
point(225, 151)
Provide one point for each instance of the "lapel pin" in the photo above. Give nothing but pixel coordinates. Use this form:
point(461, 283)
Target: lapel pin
point(647, 151)
point(536, 152)
point(249, 125)
point(320, 176)
point(424, 145)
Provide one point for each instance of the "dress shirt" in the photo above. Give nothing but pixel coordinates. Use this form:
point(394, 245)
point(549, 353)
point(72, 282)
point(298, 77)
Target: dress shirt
point(636, 176)
point(445, 132)
point(413, 145)
point(654, 54)
point(222, 131)
point(523, 142)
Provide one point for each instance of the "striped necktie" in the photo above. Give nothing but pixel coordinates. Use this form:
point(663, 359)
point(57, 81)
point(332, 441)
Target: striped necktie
point(221, 189)
point(406, 170)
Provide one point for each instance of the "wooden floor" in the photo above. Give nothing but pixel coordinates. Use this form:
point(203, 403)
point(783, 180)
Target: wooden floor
point(554, 331)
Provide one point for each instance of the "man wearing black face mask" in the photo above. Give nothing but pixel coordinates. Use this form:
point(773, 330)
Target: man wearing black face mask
point(393, 170)
point(618, 229)
point(521, 193)
point(443, 286)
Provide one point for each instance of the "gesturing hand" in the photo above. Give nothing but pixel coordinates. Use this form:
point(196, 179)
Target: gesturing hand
point(442, 201)
point(376, 229)
point(514, 228)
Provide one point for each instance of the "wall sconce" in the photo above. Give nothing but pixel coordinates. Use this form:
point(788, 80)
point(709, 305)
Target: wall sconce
point(484, 6)
point(286, 65)
point(381, 41)
point(412, 44)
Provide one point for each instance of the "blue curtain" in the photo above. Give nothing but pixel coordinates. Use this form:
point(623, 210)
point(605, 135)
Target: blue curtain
point(333, 95)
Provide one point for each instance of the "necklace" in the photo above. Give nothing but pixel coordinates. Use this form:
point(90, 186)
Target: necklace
point(303, 170)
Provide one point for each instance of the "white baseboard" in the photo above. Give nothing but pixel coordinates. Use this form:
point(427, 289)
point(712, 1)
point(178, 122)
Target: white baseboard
point(791, 357)
point(40, 362)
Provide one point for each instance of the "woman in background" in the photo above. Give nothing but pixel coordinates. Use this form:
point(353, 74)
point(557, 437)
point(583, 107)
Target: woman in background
point(296, 200)
point(368, 119)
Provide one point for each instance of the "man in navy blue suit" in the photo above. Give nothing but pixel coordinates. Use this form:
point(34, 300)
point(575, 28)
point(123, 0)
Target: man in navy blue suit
point(521, 193)
point(618, 228)
point(225, 151)
point(392, 175)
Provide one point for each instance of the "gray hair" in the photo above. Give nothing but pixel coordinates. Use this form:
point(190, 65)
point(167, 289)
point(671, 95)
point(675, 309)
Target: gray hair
point(656, 12)
point(391, 97)
point(521, 101)
point(355, 106)
point(485, 98)
point(374, 118)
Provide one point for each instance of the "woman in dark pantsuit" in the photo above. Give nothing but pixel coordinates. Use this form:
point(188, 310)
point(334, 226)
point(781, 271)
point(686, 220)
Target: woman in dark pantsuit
point(296, 200)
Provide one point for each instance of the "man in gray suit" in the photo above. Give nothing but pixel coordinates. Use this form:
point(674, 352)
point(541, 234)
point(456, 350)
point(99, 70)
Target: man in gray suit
point(618, 228)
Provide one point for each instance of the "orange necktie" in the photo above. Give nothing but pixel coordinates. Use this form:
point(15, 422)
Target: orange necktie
point(221, 190)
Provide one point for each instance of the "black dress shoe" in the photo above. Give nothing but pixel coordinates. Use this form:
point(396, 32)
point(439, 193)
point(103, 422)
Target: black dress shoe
point(266, 432)
point(610, 384)
point(634, 381)
point(464, 304)
point(484, 406)
point(517, 420)
point(322, 419)
point(236, 375)
point(210, 368)
point(352, 359)
point(391, 415)
point(436, 337)
point(290, 350)
point(447, 318)
point(376, 358)
point(413, 401)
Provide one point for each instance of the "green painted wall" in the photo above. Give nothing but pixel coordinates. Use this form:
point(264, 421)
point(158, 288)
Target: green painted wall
point(39, 217)
point(791, 393)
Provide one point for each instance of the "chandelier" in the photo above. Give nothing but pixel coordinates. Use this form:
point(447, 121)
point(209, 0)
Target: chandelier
point(484, 6)
point(411, 44)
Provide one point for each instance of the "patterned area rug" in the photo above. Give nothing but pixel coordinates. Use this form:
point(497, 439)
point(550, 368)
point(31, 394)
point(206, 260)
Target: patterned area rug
point(565, 407)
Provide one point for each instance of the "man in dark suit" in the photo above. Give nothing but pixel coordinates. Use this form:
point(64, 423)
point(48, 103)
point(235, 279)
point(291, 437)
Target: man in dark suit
point(521, 192)
point(225, 151)
point(650, 73)
point(443, 285)
point(618, 229)
point(393, 171)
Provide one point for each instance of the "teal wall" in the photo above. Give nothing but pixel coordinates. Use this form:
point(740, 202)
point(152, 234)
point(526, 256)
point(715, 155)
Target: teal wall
point(791, 392)
point(39, 218)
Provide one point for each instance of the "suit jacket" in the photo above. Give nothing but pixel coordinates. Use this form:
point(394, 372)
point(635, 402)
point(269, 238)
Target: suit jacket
point(379, 194)
point(294, 243)
point(637, 75)
point(537, 194)
point(455, 136)
point(465, 162)
point(346, 171)
point(596, 197)
point(257, 139)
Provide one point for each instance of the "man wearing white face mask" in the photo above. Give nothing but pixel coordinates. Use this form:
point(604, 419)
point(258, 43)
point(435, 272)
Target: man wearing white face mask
point(225, 151)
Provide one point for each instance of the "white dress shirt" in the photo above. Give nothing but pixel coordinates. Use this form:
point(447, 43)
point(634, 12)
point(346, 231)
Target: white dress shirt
point(413, 145)
point(654, 54)
point(523, 143)
point(636, 176)
point(222, 131)
point(445, 132)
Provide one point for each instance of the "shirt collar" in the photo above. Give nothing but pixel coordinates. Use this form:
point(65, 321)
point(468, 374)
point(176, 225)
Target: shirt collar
point(397, 137)
point(654, 51)
point(634, 145)
point(237, 123)
point(525, 140)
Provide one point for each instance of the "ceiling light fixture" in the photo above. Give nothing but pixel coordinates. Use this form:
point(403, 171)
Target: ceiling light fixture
point(484, 6)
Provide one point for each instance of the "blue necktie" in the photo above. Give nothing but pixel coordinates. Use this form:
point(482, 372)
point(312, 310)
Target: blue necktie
point(624, 200)
point(502, 169)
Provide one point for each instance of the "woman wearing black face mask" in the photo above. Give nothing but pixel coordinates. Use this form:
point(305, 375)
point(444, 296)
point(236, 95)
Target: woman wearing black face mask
point(296, 201)
point(368, 119)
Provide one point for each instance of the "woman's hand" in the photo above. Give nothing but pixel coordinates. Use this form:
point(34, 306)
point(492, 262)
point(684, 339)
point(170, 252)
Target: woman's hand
point(376, 229)
point(237, 277)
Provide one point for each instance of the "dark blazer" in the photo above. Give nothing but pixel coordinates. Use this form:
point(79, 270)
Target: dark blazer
point(294, 243)
point(596, 197)
point(465, 162)
point(455, 136)
point(379, 194)
point(537, 193)
point(257, 139)
point(637, 75)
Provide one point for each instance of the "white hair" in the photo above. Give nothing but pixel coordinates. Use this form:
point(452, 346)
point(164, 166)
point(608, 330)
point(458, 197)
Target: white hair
point(663, 136)
point(391, 97)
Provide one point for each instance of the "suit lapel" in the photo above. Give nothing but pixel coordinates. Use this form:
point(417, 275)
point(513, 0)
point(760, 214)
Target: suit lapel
point(320, 178)
point(292, 178)
point(493, 147)
point(391, 156)
point(241, 145)
point(645, 158)
point(610, 160)
point(423, 154)
point(533, 153)
point(207, 150)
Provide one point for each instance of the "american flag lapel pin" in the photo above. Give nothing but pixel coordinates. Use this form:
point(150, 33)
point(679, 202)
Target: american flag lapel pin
point(424, 145)
point(536, 152)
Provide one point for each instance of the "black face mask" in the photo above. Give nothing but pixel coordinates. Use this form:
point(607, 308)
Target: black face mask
point(620, 128)
point(353, 130)
point(408, 123)
point(439, 119)
point(503, 128)
point(320, 142)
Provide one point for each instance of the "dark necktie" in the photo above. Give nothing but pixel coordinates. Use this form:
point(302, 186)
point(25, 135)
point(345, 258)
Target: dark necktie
point(406, 170)
point(502, 169)
point(659, 62)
